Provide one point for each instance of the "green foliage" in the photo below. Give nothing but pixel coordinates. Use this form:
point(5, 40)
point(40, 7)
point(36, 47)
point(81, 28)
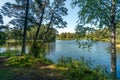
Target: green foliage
point(50, 37)
point(2, 38)
point(100, 14)
point(118, 33)
point(9, 53)
point(1, 19)
point(35, 50)
point(39, 52)
point(21, 61)
point(84, 74)
point(80, 69)
point(66, 36)
point(26, 61)
point(69, 62)
point(46, 61)
point(14, 33)
point(6, 74)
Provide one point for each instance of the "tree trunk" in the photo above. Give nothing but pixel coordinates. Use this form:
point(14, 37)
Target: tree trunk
point(41, 19)
point(25, 27)
point(39, 26)
point(113, 42)
point(46, 32)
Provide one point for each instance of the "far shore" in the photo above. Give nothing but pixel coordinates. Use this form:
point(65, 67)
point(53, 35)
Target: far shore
point(14, 41)
point(118, 45)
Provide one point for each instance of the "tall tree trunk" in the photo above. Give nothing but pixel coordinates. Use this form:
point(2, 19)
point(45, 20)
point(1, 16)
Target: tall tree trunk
point(25, 27)
point(39, 26)
point(47, 31)
point(113, 42)
point(40, 23)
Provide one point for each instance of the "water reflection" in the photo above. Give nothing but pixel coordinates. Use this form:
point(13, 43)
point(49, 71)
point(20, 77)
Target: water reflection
point(13, 46)
point(50, 47)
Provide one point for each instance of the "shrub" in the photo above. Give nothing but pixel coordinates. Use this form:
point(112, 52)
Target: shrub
point(21, 61)
point(9, 53)
point(38, 51)
point(81, 70)
point(26, 61)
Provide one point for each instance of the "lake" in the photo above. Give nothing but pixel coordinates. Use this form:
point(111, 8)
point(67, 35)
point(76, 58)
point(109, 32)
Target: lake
point(98, 53)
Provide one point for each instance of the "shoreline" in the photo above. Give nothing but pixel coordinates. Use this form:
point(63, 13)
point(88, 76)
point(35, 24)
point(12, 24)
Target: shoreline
point(118, 45)
point(16, 41)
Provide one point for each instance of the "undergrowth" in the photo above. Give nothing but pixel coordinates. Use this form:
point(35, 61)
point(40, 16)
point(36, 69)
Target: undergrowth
point(81, 70)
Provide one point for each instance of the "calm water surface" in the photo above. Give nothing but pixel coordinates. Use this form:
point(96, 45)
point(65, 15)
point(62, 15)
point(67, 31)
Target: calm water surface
point(99, 52)
point(68, 48)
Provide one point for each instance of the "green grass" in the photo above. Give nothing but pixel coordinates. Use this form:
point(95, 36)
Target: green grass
point(6, 74)
point(80, 69)
point(9, 53)
point(31, 68)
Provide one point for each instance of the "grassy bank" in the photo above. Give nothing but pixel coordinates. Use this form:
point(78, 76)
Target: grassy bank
point(65, 39)
point(19, 41)
point(29, 68)
point(27, 41)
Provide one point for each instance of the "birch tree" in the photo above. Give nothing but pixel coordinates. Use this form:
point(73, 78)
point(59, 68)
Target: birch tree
point(100, 14)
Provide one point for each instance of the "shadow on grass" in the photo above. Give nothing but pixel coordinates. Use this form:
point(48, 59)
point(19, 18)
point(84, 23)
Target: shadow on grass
point(31, 73)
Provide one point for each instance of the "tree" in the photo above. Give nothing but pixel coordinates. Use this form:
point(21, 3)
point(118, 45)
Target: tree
point(25, 28)
point(63, 35)
point(51, 16)
point(14, 33)
point(66, 35)
point(2, 38)
point(1, 18)
point(56, 12)
point(54, 15)
point(2, 35)
point(100, 14)
point(1, 21)
point(41, 17)
point(50, 37)
point(19, 12)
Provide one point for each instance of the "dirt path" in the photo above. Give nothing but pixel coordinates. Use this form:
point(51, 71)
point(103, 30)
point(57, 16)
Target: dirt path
point(37, 72)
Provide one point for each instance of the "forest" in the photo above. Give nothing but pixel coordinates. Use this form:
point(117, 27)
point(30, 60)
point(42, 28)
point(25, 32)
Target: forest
point(31, 48)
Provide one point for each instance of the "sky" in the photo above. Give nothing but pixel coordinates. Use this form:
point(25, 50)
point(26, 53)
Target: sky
point(71, 18)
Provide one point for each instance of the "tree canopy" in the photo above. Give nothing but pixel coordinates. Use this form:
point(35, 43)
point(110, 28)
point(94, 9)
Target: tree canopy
point(1, 21)
point(99, 14)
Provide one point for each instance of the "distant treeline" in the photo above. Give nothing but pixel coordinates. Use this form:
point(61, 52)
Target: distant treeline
point(15, 34)
point(98, 35)
point(66, 36)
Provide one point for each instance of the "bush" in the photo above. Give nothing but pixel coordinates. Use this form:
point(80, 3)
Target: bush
point(26, 61)
point(9, 53)
point(21, 61)
point(81, 70)
point(38, 51)
point(2, 38)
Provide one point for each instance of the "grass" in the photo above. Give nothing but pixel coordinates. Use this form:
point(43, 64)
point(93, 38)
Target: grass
point(6, 74)
point(28, 67)
point(17, 68)
point(32, 73)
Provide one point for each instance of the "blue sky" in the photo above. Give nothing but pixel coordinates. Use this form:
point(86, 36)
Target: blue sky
point(71, 18)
